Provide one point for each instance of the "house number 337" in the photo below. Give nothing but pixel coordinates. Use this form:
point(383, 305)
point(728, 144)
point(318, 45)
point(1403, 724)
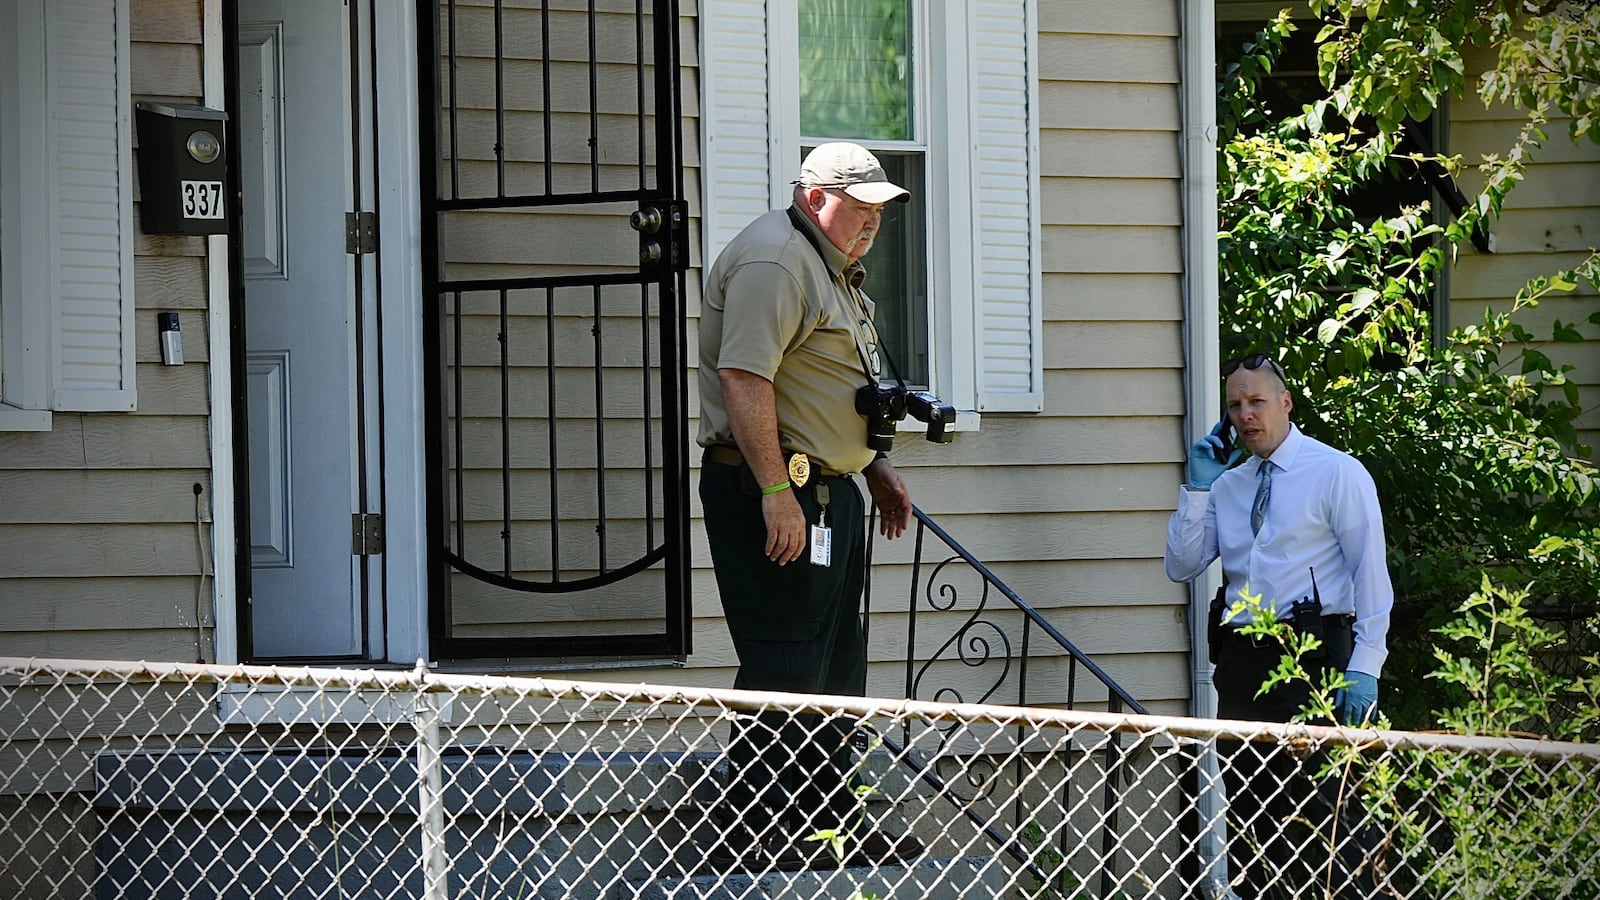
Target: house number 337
point(202, 199)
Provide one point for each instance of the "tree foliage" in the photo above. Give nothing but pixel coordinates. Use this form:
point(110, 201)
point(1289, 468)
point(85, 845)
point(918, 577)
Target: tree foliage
point(1470, 435)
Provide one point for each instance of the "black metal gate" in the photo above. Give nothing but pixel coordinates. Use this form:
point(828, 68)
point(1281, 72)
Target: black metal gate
point(554, 250)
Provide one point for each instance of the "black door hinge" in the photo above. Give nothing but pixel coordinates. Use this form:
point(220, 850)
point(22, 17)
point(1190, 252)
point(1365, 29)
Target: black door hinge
point(360, 232)
point(366, 534)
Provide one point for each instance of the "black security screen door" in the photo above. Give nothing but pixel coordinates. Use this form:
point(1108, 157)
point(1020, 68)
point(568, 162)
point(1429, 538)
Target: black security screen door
point(554, 253)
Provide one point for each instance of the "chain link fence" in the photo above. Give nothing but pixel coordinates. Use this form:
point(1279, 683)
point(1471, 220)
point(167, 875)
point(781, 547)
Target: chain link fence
point(170, 780)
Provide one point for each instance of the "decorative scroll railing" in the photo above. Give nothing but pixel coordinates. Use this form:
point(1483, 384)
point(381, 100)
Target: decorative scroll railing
point(999, 643)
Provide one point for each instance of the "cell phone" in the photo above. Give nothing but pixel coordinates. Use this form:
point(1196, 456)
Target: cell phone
point(1227, 432)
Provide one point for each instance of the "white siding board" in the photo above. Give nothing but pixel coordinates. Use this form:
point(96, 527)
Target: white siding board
point(1082, 394)
point(175, 644)
point(1096, 153)
point(1115, 297)
point(110, 442)
point(1480, 276)
point(1135, 17)
point(1113, 248)
point(1116, 534)
point(1549, 185)
point(167, 21)
point(1573, 307)
point(167, 70)
point(1007, 489)
point(1112, 201)
point(1473, 139)
point(82, 496)
point(1549, 229)
point(1110, 106)
point(1131, 439)
point(63, 551)
point(89, 603)
point(1114, 346)
point(1130, 59)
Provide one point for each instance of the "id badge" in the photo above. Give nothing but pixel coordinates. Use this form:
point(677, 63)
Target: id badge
point(821, 545)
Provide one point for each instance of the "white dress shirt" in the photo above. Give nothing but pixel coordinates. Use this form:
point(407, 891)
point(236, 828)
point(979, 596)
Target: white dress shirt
point(1323, 514)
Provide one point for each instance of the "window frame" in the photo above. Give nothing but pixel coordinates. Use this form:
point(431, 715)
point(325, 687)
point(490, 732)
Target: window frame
point(27, 218)
point(919, 144)
point(981, 117)
point(937, 30)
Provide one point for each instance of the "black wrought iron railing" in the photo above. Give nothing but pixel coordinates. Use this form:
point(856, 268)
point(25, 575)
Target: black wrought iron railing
point(981, 642)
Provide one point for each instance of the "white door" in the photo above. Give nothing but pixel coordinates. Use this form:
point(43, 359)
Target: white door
point(303, 300)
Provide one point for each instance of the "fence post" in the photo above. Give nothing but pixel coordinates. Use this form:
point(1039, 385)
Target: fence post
point(430, 793)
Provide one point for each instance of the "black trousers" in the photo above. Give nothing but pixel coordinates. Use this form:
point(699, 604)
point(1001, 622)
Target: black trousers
point(795, 628)
point(1292, 833)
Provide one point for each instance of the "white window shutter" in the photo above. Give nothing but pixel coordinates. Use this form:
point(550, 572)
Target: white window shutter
point(1005, 223)
point(94, 361)
point(734, 120)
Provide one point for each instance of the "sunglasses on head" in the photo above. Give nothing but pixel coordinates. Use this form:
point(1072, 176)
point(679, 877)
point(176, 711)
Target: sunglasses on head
point(1252, 362)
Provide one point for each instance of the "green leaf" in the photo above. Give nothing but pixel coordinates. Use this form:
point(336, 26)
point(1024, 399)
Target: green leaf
point(1328, 330)
point(1567, 334)
point(1534, 361)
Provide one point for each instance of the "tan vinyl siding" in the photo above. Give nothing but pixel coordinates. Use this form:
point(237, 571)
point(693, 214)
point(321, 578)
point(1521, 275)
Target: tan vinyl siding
point(1069, 506)
point(103, 553)
point(1113, 261)
point(1551, 221)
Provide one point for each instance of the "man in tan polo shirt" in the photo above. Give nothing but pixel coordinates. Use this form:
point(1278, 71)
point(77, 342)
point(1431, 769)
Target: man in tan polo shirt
point(786, 341)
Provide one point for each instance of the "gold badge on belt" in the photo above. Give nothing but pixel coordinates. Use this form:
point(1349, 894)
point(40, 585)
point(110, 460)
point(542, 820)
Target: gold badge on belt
point(799, 470)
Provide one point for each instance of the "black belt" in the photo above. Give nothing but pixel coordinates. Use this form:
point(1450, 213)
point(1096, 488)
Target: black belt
point(730, 456)
point(1231, 633)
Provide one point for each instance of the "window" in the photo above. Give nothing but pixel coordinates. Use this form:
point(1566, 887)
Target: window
point(859, 81)
point(944, 94)
point(66, 210)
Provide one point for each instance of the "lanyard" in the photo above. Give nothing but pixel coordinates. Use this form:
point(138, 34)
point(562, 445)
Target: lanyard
point(860, 319)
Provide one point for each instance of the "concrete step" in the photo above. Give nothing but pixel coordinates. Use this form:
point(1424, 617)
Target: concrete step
point(966, 878)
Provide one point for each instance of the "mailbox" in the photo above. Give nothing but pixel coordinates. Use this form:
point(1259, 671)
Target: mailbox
point(182, 169)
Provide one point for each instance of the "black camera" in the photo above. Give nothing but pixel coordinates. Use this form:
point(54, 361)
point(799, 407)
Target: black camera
point(884, 405)
point(940, 416)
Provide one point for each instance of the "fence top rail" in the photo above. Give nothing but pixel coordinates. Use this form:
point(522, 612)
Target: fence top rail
point(19, 672)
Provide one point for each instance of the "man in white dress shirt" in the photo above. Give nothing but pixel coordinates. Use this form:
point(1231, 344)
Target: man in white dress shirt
point(1297, 525)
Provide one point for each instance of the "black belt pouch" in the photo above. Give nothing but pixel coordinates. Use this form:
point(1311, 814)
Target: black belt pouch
point(1214, 624)
point(1340, 639)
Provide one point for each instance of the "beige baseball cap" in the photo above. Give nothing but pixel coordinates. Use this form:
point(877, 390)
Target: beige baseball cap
point(851, 168)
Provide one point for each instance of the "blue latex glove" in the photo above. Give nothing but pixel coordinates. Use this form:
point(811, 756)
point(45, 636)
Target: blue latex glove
point(1206, 459)
point(1358, 700)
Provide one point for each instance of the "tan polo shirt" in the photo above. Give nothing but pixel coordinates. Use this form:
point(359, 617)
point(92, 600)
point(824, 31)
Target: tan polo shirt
point(774, 308)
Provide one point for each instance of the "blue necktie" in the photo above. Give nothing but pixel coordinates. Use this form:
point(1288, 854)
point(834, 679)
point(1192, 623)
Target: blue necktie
point(1258, 509)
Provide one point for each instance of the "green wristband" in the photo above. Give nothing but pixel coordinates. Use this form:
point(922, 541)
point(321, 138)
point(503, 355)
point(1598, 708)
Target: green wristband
point(780, 486)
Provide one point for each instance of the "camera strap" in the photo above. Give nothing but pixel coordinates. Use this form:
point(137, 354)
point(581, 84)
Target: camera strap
point(861, 341)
